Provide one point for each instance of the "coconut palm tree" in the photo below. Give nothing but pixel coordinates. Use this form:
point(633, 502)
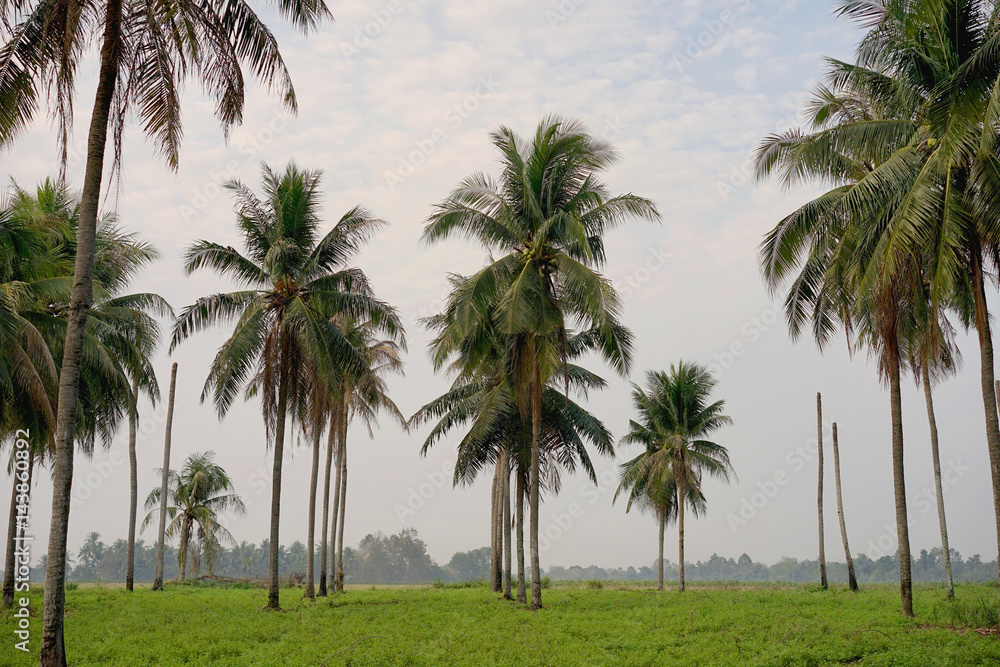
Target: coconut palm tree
point(543, 224)
point(146, 51)
point(674, 420)
point(296, 282)
point(196, 496)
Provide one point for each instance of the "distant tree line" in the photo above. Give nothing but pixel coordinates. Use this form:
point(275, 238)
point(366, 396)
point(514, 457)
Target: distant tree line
point(403, 559)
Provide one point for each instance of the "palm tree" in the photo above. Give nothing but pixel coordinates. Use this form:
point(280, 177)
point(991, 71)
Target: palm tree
point(295, 283)
point(674, 420)
point(852, 580)
point(146, 52)
point(544, 219)
point(165, 481)
point(362, 396)
point(819, 492)
point(196, 496)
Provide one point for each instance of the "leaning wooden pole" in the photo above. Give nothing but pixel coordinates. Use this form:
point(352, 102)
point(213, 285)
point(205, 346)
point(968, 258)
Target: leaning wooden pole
point(852, 580)
point(158, 582)
point(819, 492)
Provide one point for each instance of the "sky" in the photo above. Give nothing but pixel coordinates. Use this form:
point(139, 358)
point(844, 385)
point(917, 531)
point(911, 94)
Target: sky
point(396, 102)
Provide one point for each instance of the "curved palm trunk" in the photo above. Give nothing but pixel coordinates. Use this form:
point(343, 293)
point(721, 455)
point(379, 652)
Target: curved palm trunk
point(133, 506)
point(852, 580)
point(899, 482)
point(536, 430)
point(310, 591)
point(659, 565)
point(522, 594)
point(53, 649)
point(12, 531)
point(680, 533)
point(158, 581)
point(990, 394)
point(506, 527)
point(339, 581)
point(334, 541)
point(495, 548)
point(325, 535)
point(182, 552)
point(273, 601)
point(938, 489)
point(819, 491)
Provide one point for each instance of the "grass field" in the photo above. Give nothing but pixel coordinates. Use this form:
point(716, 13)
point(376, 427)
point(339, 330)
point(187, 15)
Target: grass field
point(580, 625)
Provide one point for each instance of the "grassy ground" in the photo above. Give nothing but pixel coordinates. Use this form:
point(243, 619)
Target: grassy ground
point(580, 625)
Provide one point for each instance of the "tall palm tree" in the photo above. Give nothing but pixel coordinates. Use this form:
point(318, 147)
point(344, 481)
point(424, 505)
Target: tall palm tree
point(543, 224)
point(296, 281)
point(146, 51)
point(852, 580)
point(657, 494)
point(675, 418)
point(196, 496)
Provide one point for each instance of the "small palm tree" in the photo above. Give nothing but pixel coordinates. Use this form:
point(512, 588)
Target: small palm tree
point(296, 282)
point(675, 418)
point(196, 497)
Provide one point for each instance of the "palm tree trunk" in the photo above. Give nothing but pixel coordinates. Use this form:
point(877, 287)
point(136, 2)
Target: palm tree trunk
point(990, 393)
point(158, 581)
point(680, 533)
point(819, 492)
point(53, 648)
point(334, 541)
point(938, 489)
point(339, 581)
point(325, 535)
point(273, 601)
point(659, 564)
point(310, 591)
point(133, 506)
point(12, 531)
point(899, 482)
point(495, 549)
point(536, 430)
point(182, 553)
point(506, 527)
point(522, 594)
point(851, 578)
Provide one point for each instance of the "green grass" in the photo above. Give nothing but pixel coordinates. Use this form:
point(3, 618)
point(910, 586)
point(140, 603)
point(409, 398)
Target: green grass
point(580, 625)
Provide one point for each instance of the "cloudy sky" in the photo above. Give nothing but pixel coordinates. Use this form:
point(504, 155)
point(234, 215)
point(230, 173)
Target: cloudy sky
point(397, 100)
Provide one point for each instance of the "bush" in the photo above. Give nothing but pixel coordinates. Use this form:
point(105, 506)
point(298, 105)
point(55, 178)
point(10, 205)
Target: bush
point(594, 583)
point(546, 582)
point(72, 586)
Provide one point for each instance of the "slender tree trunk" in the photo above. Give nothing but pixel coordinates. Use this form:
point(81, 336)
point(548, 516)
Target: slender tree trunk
point(53, 648)
point(680, 532)
point(990, 393)
point(273, 601)
point(851, 578)
point(343, 499)
point(133, 470)
point(334, 541)
point(938, 489)
point(311, 532)
point(899, 482)
point(659, 565)
point(158, 581)
point(506, 527)
point(819, 492)
point(182, 553)
point(325, 532)
point(536, 430)
point(495, 517)
point(12, 530)
point(522, 593)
